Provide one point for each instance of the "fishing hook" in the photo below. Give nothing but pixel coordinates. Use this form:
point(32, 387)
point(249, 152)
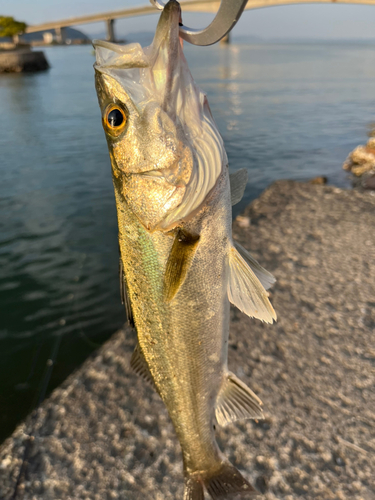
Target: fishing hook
point(227, 16)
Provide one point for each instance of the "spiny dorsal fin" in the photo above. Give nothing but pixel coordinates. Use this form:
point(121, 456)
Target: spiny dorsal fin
point(179, 261)
point(140, 366)
point(125, 299)
point(236, 401)
point(238, 181)
point(245, 290)
point(266, 279)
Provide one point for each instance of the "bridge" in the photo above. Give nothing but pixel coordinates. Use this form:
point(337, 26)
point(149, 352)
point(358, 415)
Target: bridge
point(187, 6)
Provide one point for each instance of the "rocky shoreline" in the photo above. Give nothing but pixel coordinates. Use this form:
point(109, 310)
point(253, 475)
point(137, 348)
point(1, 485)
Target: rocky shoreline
point(104, 434)
point(361, 164)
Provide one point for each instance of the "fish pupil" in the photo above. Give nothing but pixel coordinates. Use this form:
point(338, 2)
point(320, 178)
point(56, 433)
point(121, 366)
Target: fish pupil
point(115, 118)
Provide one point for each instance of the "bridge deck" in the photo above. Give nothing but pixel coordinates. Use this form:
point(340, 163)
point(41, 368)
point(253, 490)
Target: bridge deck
point(187, 6)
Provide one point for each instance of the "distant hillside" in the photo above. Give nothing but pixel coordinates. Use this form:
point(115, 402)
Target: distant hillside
point(143, 37)
point(70, 35)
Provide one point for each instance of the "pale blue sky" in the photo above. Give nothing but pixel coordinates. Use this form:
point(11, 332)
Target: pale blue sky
point(293, 21)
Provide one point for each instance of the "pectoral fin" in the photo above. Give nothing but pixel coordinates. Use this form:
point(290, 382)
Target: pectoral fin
point(140, 366)
point(245, 290)
point(236, 402)
point(179, 261)
point(266, 279)
point(238, 181)
point(125, 299)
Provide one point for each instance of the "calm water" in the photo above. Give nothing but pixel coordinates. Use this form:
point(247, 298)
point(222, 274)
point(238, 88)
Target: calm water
point(286, 111)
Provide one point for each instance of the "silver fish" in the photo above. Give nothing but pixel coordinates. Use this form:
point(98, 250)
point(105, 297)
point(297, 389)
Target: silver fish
point(179, 265)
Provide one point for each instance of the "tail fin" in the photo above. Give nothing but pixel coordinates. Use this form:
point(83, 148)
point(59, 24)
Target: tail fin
point(228, 483)
point(225, 484)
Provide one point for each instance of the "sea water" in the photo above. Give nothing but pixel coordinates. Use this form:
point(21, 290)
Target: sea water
point(285, 111)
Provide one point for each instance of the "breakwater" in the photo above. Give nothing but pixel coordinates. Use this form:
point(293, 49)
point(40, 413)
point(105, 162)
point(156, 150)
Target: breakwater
point(22, 60)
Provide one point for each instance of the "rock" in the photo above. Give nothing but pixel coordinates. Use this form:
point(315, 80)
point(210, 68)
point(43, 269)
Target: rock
point(362, 155)
point(319, 180)
point(243, 221)
point(361, 160)
point(366, 181)
point(369, 182)
point(361, 169)
point(17, 61)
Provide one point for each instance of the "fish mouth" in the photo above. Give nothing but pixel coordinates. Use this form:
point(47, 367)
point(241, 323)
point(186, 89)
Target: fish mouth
point(169, 22)
point(167, 43)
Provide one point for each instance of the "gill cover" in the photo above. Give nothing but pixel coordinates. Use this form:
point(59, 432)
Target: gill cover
point(170, 154)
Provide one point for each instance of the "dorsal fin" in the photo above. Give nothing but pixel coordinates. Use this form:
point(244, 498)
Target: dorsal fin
point(125, 299)
point(179, 261)
point(236, 402)
point(245, 290)
point(238, 181)
point(266, 279)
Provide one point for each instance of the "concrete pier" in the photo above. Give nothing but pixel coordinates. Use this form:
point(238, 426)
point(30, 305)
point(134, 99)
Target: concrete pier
point(105, 434)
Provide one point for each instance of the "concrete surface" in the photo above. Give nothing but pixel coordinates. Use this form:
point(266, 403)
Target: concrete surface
point(104, 434)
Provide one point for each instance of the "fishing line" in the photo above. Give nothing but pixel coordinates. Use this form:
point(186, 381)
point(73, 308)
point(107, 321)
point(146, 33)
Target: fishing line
point(34, 362)
point(45, 380)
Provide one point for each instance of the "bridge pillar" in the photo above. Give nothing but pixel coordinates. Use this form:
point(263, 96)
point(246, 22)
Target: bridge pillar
point(60, 34)
point(225, 39)
point(110, 23)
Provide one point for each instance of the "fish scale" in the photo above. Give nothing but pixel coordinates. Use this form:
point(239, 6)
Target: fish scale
point(179, 263)
point(177, 339)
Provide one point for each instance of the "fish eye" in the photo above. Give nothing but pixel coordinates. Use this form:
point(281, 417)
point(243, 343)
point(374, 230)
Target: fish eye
point(114, 119)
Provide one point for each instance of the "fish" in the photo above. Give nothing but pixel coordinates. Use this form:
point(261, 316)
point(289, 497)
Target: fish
point(179, 266)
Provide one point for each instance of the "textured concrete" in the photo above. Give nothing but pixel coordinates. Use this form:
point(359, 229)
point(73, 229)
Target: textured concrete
point(104, 434)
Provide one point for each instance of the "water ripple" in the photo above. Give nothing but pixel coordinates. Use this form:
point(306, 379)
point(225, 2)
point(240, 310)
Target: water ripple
point(283, 111)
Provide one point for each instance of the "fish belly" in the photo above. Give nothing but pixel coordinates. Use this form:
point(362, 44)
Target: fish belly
point(184, 342)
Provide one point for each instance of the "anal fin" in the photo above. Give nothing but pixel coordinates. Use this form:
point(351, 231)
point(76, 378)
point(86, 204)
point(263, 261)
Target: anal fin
point(236, 402)
point(245, 290)
point(228, 482)
point(223, 483)
point(266, 279)
point(140, 366)
point(179, 261)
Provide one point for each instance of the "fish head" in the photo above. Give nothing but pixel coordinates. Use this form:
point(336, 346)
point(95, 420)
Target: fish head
point(165, 149)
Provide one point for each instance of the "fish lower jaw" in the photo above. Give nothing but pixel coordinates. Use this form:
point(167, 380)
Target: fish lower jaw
point(165, 174)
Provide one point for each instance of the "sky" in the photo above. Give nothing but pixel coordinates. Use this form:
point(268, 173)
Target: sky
point(290, 21)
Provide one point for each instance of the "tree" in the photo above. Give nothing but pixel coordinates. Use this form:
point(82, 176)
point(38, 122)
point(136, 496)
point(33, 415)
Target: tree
point(10, 27)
